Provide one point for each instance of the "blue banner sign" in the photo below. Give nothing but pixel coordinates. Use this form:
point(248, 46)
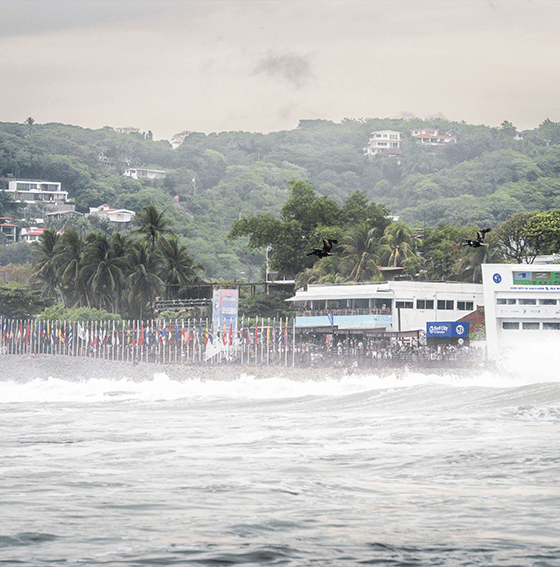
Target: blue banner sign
point(447, 329)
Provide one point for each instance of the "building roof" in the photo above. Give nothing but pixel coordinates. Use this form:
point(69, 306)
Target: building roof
point(380, 290)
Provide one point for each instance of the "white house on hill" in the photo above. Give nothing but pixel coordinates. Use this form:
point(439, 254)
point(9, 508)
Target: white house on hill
point(113, 215)
point(384, 141)
point(141, 172)
point(28, 191)
point(432, 137)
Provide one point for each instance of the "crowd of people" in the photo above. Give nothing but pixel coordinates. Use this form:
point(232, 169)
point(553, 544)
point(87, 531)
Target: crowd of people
point(360, 352)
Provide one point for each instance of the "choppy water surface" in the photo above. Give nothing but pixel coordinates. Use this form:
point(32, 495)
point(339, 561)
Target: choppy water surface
point(405, 470)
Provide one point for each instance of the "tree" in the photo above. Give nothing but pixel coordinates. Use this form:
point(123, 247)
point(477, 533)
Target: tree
point(29, 123)
point(7, 204)
point(360, 253)
point(21, 301)
point(295, 233)
point(397, 244)
point(70, 255)
point(177, 268)
point(515, 241)
point(441, 248)
point(152, 226)
point(103, 271)
point(143, 283)
point(544, 227)
point(47, 262)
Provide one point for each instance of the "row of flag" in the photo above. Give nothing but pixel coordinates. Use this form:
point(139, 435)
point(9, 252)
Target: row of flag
point(176, 333)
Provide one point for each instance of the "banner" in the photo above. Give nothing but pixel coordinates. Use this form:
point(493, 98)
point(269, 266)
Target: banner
point(447, 329)
point(225, 307)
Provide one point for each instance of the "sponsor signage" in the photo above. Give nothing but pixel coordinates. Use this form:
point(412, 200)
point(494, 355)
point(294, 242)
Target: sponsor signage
point(447, 329)
point(536, 277)
point(225, 307)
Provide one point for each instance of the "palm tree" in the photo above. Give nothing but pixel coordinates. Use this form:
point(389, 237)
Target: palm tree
point(103, 271)
point(177, 267)
point(360, 253)
point(47, 262)
point(152, 225)
point(143, 281)
point(398, 243)
point(70, 252)
point(29, 123)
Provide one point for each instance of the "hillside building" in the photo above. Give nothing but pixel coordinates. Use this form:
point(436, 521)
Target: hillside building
point(143, 173)
point(122, 216)
point(385, 142)
point(37, 192)
point(31, 234)
point(432, 137)
point(8, 230)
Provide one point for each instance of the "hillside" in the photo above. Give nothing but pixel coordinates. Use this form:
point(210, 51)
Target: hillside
point(211, 180)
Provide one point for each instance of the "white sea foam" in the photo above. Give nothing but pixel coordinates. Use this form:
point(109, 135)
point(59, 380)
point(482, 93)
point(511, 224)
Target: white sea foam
point(282, 383)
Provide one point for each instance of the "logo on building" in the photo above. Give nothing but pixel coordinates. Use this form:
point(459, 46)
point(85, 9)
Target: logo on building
point(447, 329)
point(497, 278)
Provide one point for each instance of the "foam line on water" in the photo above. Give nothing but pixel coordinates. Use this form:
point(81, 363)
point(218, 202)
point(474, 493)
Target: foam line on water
point(280, 385)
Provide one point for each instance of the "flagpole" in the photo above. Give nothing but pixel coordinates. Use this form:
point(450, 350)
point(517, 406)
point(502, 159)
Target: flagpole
point(294, 347)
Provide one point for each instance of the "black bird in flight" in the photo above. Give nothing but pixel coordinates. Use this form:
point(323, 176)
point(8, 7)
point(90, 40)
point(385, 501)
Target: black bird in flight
point(326, 250)
point(479, 239)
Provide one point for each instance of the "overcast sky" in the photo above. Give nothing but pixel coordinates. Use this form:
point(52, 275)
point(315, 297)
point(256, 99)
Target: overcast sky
point(263, 65)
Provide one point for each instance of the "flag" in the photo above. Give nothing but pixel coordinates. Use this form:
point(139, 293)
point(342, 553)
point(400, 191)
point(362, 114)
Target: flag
point(231, 334)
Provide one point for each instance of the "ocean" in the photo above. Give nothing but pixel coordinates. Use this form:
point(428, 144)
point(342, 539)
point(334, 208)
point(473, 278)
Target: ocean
point(276, 466)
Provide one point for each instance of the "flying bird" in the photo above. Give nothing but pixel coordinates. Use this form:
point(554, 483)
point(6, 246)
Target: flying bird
point(479, 239)
point(326, 250)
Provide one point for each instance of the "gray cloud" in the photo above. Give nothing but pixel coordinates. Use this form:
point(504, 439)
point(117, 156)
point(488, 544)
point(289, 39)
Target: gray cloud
point(287, 67)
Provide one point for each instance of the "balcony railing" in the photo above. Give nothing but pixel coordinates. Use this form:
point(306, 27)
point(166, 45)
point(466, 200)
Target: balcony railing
point(346, 311)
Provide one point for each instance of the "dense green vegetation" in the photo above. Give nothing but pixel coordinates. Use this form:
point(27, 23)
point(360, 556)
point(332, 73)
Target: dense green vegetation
point(228, 196)
point(214, 179)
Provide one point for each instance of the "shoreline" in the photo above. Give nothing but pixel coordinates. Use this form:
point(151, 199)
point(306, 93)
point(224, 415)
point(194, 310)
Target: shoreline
point(27, 368)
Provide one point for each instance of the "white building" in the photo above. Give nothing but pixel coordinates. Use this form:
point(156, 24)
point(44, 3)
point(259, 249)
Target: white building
point(384, 141)
point(522, 305)
point(432, 137)
point(31, 234)
point(46, 192)
point(141, 172)
point(390, 306)
point(113, 215)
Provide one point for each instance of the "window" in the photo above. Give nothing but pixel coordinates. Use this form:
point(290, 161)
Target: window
point(551, 326)
point(404, 304)
point(500, 301)
point(547, 301)
point(445, 304)
point(465, 305)
point(424, 304)
point(531, 326)
point(527, 301)
point(510, 325)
